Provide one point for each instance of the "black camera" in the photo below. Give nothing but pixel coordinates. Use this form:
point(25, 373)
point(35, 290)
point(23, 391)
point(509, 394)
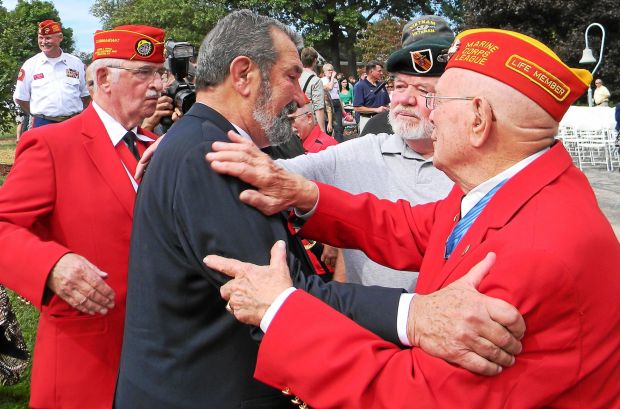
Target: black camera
point(182, 90)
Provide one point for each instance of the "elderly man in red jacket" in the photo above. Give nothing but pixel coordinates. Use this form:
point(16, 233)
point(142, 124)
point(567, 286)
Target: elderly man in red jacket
point(65, 220)
point(517, 195)
point(305, 127)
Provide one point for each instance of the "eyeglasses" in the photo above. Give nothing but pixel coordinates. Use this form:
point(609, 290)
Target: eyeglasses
point(294, 117)
point(143, 73)
point(432, 99)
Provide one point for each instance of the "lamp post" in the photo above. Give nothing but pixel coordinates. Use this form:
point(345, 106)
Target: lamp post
point(588, 57)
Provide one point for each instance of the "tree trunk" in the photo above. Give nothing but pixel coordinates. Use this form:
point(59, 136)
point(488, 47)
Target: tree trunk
point(351, 55)
point(334, 43)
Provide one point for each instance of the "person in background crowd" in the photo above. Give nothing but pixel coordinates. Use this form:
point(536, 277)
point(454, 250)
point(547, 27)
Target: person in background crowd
point(51, 86)
point(22, 120)
point(346, 93)
point(512, 213)
point(352, 80)
point(65, 220)
point(389, 86)
point(601, 94)
point(164, 109)
point(396, 164)
point(370, 97)
point(330, 85)
point(312, 86)
point(304, 125)
point(306, 129)
point(90, 82)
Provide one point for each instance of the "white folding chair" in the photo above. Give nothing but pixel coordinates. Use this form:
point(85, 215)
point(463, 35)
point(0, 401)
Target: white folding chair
point(593, 148)
point(613, 148)
point(570, 139)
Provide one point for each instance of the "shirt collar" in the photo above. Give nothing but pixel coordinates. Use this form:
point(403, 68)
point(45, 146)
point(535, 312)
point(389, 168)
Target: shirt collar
point(477, 193)
point(241, 132)
point(394, 144)
point(115, 130)
point(61, 58)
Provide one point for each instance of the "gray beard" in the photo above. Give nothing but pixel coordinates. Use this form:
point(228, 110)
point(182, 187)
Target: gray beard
point(277, 128)
point(423, 130)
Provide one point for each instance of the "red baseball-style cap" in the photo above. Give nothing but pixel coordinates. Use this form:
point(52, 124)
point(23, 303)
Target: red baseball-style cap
point(523, 63)
point(139, 43)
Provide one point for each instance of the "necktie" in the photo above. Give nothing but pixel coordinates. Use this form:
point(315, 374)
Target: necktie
point(465, 223)
point(130, 141)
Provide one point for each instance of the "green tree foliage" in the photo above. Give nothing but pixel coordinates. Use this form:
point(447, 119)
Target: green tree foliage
point(559, 24)
point(18, 42)
point(333, 26)
point(183, 20)
point(381, 39)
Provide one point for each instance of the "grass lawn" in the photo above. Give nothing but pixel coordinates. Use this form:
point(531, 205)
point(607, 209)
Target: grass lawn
point(16, 396)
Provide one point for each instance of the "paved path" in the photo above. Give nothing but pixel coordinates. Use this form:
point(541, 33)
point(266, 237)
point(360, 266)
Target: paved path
point(607, 188)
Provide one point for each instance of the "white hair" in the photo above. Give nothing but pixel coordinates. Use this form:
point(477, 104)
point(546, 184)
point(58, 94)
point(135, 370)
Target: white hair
point(104, 63)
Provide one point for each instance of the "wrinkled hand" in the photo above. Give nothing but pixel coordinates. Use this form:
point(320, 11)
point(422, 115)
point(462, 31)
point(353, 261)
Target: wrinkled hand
point(254, 288)
point(80, 283)
point(143, 163)
point(276, 189)
point(329, 255)
point(163, 109)
point(464, 327)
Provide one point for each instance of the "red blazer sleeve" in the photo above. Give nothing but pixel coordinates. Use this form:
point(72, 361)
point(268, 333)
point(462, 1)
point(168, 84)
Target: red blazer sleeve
point(27, 197)
point(391, 233)
point(568, 358)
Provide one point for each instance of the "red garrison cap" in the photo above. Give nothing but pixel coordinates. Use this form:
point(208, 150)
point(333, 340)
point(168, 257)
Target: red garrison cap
point(137, 43)
point(49, 27)
point(523, 63)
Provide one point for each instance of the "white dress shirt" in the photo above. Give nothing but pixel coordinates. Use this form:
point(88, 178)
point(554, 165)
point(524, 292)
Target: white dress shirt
point(53, 86)
point(116, 132)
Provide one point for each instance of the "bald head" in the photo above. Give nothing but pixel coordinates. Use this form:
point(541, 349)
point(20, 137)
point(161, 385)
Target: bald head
point(517, 117)
point(493, 127)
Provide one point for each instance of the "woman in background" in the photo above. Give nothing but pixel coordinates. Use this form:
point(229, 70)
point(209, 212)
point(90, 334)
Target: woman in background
point(346, 92)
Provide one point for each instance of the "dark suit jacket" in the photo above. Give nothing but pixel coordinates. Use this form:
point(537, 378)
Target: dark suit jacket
point(181, 348)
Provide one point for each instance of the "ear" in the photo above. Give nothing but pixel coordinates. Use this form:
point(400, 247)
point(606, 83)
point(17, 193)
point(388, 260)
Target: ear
point(482, 121)
point(244, 75)
point(103, 79)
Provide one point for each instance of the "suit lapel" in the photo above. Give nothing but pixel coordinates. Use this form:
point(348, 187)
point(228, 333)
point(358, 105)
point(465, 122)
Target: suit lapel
point(105, 159)
point(507, 202)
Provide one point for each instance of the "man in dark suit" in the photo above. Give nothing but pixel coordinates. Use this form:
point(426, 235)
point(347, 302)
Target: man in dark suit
point(182, 349)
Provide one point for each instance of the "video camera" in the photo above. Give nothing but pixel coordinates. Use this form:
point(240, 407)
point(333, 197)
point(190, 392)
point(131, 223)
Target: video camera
point(182, 90)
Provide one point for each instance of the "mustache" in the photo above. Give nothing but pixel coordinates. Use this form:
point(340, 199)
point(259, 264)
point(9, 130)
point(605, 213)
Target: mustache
point(401, 109)
point(151, 93)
